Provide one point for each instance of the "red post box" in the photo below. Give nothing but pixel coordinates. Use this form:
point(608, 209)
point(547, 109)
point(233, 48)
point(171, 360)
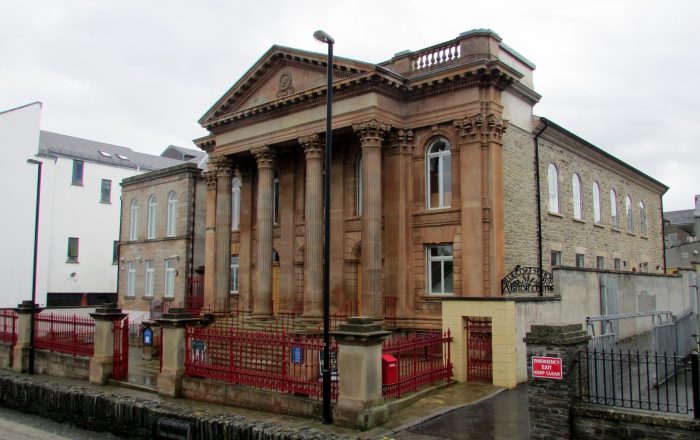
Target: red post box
point(390, 369)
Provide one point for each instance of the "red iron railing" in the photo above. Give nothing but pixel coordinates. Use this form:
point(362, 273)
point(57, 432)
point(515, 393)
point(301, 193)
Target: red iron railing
point(270, 360)
point(8, 326)
point(74, 335)
point(120, 358)
point(423, 359)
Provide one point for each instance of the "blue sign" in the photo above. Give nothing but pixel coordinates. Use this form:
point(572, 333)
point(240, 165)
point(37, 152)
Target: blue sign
point(297, 355)
point(148, 336)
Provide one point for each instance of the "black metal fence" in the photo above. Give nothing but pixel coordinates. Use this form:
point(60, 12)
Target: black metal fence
point(654, 382)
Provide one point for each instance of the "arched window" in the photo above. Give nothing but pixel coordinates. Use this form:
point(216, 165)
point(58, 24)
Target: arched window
point(235, 203)
point(358, 186)
point(553, 184)
point(134, 220)
point(614, 218)
point(438, 174)
point(630, 213)
point(151, 224)
point(172, 214)
point(576, 195)
point(596, 203)
point(276, 199)
point(642, 218)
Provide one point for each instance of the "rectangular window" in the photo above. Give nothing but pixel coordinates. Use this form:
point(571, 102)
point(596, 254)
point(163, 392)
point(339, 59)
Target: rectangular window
point(150, 279)
point(556, 258)
point(169, 291)
point(440, 269)
point(115, 252)
point(106, 191)
point(234, 273)
point(600, 262)
point(72, 250)
point(77, 173)
point(580, 260)
point(131, 279)
point(616, 264)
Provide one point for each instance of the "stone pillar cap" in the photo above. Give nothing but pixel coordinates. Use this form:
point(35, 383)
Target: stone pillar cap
point(360, 328)
point(177, 317)
point(107, 311)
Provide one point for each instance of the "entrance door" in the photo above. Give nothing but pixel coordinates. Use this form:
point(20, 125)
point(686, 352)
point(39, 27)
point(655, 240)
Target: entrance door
point(479, 365)
point(275, 288)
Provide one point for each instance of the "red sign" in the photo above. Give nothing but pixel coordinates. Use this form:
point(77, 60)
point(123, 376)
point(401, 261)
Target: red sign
point(547, 367)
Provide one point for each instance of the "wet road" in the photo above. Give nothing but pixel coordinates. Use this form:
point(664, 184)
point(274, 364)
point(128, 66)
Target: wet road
point(19, 426)
point(504, 416)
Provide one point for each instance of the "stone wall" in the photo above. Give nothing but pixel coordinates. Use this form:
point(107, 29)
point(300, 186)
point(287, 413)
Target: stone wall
point(134, 418)
point(61, 365)
point(5, 356)
point(597, 422)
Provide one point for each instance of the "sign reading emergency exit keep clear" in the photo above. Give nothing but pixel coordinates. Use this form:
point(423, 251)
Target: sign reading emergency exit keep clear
point(547, 368)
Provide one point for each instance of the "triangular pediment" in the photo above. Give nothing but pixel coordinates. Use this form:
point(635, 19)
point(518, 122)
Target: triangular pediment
point(280, 73)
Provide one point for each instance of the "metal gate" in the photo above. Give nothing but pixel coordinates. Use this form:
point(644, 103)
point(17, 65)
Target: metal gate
point(479, 365)
point(120, 369)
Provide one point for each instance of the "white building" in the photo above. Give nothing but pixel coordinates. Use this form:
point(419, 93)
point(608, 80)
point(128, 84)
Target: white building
point(79, 214)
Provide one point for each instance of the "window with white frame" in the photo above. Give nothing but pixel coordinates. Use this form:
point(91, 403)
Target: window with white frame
point(616, 264)
point(151, 220)
point(580, 260)
point(642, 218)
point(149, 279)
point(553, 186)
point(358, 186)
point(131, 278)
point(134, 220)
point(276, 199)
point(171, 227)
point(630, 213)
point(555, 258)
point(614, 218)
point(234, 274)
point(596, 204)
point(599, 262)
point(576, 196)
point(440, 269)
point(235, 203)
point(438, 174)
point(169, 290)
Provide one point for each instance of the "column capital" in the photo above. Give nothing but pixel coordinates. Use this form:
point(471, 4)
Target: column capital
point(210, 179)
point(264, 156)
point(371, 132)
point(401, 141)
point(221, 165)
point(481, 127)
point(312, 146)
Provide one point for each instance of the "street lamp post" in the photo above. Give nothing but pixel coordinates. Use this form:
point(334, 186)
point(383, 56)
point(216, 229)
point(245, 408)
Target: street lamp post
point(327, 416)
point(30, 361)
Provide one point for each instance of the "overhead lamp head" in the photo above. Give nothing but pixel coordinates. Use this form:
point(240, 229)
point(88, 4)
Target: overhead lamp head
point(323, 37)
point(34, 161)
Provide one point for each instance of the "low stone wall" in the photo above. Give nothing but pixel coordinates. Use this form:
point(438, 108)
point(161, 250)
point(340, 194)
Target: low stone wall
point(5, 356)
point(598, 422)
point(61, 365)
point(134, 418)
point(244, 397)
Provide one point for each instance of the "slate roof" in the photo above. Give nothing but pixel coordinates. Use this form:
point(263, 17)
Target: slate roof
point(184, 151)
point(683, 217)
point(60, 145)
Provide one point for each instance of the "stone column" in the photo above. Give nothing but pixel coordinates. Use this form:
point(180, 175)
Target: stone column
point(371, 134)
point(550, 400)
point(224, 172)
point(313, 227)
point(102, 361)
point(20, 353)
point(210, 239)
point(360, 402)
point(174, 323)
point(262, 300)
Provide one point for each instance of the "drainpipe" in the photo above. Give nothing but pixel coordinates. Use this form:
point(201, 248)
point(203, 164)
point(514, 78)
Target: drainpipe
point(663, 232)
point(538, 201)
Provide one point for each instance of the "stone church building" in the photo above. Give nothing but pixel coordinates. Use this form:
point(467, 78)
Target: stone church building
point(438, 170)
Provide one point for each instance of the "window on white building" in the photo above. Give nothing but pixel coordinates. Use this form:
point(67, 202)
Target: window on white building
point(440, 269)
point(134, 220)
point(171, 229)
point(169, 290)
point(576, 196)
point(115, 252)
point(234, 274)
point(150, 279)
point(72, 250)
point(596, 204)
point(131, 278)
point(553, 186)
point(439, 174)
point(614, 218)
point(106, 191)
point(235, 203)
point(630, 214)
point(77, 177)
point(642, 218)
point(151, 220)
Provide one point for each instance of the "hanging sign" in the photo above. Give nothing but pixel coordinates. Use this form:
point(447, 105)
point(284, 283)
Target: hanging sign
point(547, 368)
point(148, 336)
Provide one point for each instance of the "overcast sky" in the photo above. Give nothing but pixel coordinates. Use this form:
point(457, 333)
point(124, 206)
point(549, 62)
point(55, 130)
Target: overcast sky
point(620, 74)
